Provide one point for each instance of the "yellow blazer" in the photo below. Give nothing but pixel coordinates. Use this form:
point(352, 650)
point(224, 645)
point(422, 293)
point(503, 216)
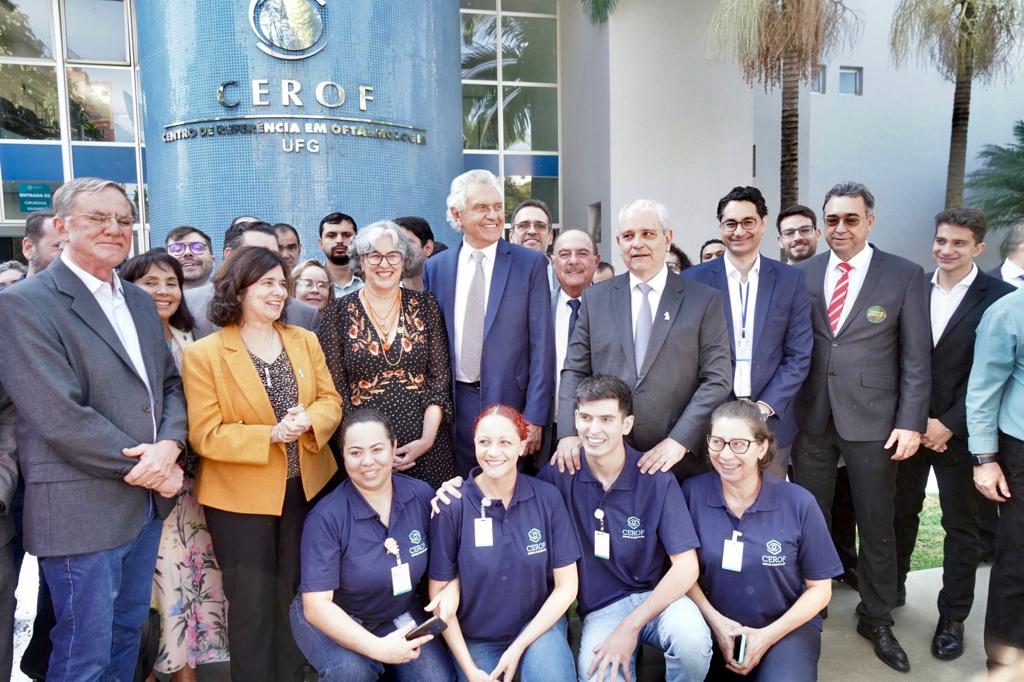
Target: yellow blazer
point(230, 418)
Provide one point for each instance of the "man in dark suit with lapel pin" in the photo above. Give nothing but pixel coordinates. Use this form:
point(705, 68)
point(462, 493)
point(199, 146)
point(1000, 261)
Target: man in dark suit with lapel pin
point(768, 314)
point(664, 336)
point(866, 396)
point(101, 423)
point(960, 293)
point(497, 309)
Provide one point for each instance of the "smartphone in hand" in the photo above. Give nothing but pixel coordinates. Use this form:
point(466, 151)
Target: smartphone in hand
point(739, 649)
point(432, 626)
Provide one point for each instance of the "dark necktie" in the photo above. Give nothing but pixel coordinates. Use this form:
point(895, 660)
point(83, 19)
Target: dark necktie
point(573, 316)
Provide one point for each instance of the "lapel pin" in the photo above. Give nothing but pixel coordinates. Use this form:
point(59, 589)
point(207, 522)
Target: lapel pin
point(666, 317)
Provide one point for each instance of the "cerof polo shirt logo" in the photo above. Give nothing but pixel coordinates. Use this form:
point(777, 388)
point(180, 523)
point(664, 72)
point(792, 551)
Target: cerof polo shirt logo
point(772, 558)
point(537, 545)
point(418, 546)
point(633, 531)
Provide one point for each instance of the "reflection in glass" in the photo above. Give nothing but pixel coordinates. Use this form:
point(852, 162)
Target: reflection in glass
point(479, 47)
point(529, 50)
point(28, 195)
point(25, 28)
point(477, 4)
point(479, 117)
point(28, 102)
point(531, 119)
point(96, 30)
point(101, 104)
point(519, 188)
point(535, 6)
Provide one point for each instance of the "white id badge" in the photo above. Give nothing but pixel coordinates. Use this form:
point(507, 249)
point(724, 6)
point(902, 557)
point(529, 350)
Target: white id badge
point(602, 545)
point(483, 534)
point(732, 553)
point(401, 582)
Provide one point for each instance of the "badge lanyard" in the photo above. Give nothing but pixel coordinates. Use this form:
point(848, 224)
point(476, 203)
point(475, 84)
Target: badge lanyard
point(744, 300)
point(483, 532)
point(732, 553)
point(401, 580)
point(602, 541)
point(745, 343)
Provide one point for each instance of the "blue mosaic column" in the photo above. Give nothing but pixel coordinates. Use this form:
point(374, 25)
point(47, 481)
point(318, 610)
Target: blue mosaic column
point(290, 109)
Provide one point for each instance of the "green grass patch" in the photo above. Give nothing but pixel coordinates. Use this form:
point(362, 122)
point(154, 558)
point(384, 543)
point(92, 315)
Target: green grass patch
point(928, 551)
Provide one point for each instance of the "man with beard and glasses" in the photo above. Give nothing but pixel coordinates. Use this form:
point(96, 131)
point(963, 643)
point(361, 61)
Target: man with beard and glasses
point(421, 237)
point(191, 247)
point(336, 233)
point(798, 233)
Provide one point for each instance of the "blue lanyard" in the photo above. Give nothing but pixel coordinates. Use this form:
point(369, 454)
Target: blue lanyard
point(744, 290)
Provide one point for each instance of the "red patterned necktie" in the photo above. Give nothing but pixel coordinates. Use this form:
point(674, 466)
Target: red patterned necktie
point(835, 308)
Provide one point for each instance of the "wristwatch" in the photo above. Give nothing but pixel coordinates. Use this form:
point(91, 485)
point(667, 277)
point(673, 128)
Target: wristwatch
point(987, 458)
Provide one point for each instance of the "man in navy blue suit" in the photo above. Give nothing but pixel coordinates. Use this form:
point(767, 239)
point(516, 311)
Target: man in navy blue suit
point(497, 308)
point(768, 312)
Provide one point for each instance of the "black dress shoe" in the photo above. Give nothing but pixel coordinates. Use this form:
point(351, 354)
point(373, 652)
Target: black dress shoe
point(948, 642)
point(887, 648)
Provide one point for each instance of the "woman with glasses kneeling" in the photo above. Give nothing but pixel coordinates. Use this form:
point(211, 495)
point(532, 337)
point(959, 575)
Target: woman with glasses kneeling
point(364, 550)
point(766, 557)
point(510, 546)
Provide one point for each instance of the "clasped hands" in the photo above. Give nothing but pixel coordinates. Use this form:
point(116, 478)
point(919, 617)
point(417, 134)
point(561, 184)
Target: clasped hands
point(157, 468)
point(291, 428)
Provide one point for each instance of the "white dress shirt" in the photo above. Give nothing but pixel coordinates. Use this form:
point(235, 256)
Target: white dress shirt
point(563, 311)
point(742, 326)
point(1012, 273)
point(860, 263)
point(944, 303)
point(463, 277)
point(657, 284)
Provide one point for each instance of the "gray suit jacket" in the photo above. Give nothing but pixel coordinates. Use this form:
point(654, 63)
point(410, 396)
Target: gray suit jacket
point(198, 299)
point(874, 374)
point(8, 465)
point(687, 371)
point(80, 402)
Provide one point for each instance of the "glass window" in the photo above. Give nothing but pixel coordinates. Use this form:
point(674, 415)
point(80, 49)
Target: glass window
point(531, 119)
point(518, 188)
point(25, 28)
point(28, 102)
point(536, 6)
point(818, 80)
point(851, 80)
point(96, 30)
point(22, 198)
point(479, 117)
point(477, 4)
point(102, 108)
point(529, 49)
point(480, 47)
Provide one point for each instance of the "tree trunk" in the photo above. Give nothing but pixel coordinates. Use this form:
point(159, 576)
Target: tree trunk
point(961, 115)
point(789, 165)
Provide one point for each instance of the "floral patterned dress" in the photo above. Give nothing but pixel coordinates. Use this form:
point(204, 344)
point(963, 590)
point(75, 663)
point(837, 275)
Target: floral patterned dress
point(187, 584)
point(402, 381)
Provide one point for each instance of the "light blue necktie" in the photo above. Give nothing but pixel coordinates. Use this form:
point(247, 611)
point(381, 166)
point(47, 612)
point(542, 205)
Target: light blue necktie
point(644, 322)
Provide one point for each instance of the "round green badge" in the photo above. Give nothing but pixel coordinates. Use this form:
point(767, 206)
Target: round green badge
point(876, 314)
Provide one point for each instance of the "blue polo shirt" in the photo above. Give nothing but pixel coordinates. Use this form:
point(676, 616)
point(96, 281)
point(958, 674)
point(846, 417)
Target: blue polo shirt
point(343, 548)
point(785, 542)
point(647, 521)
point(505, 585)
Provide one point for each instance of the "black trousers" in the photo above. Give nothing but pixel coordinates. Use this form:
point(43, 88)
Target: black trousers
point(844, 528)
point(1004, 623)
point(958, 499)
point(259, 556)
point(873, 487)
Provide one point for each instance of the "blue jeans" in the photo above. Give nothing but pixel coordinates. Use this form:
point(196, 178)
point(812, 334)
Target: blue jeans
point(335, 663)
point(101, 600)
point(679, 631)
point(548, 659)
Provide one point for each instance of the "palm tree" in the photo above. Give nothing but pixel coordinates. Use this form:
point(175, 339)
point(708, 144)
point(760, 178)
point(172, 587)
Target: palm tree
point(965, 40)
point(998, 186)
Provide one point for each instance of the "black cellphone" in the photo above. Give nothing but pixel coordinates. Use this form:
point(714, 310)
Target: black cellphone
point(432, 626)
point(739, 649)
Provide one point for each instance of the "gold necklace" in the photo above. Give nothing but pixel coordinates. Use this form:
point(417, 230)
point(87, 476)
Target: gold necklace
point(384, 325)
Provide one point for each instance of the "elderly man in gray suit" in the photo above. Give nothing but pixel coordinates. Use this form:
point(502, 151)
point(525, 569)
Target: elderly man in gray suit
point(867, 395)
point(101, 422)
point(663, 335)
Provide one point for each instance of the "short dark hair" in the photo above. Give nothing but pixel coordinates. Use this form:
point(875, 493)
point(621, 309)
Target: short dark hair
point(750, 414)
point(337, 218)
point(233, 237)
point(365, 415)
point(136, 268)
point(972, 218)
point(245, 267)
point(418, 226)
point(605, 387)
point(851, 189)
point(795, 209)
point(238, 220)
point(285, 226)
point(184, 231)
point(751, 194)
point(534, 203)
point(716, 240)
point(34, 225)
point(603, 265)
point(439, 246)
point(684, 260)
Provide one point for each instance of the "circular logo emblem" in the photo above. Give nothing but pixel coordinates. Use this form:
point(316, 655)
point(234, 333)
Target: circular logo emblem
point(876, 314)
point(288, 29)
point(534, 535)
point(774, 547)
point(633, 522)
point(415, 537)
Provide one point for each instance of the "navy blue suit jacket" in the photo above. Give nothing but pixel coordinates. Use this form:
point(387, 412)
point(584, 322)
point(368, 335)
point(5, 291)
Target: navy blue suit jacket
point(783, 338)
point(518, 363)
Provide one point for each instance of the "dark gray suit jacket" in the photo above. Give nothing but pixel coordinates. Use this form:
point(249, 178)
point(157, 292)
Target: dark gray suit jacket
point(80, 402)
point(198, 299)
point(874, 374)
point(687, 370)
point(8, 466)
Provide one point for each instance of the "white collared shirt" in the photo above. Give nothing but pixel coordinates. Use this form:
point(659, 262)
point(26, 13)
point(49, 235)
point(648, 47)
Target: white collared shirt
point(1012, 273)
point(944, 303)
point(860, 263)
point(463, 277)
point(657, 284)
point(743, 327)
point(563, 312)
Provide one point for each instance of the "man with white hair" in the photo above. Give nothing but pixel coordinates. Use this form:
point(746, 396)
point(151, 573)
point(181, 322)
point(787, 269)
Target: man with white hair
point(497, 308)
point(664, 336)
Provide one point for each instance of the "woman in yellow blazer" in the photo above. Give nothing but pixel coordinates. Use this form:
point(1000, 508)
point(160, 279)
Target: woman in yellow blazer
point(262, 408)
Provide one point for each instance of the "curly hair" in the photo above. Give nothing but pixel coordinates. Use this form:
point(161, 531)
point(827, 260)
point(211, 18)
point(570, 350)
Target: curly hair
point(247, 265)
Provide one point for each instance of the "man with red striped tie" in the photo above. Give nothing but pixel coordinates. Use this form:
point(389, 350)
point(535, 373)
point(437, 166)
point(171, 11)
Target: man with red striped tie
point(867, 395)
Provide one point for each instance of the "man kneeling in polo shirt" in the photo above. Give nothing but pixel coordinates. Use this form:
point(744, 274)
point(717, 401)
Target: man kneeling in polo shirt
point(632, 527)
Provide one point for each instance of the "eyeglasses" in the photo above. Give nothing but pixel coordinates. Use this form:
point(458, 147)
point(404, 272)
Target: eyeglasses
point(538, 225)
point(737, 445)
point(748, 224)
point(803, 231)
point(307, 283)
point(179, 248)
point(392, 257)
point(103, 219)
point(849, 219)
